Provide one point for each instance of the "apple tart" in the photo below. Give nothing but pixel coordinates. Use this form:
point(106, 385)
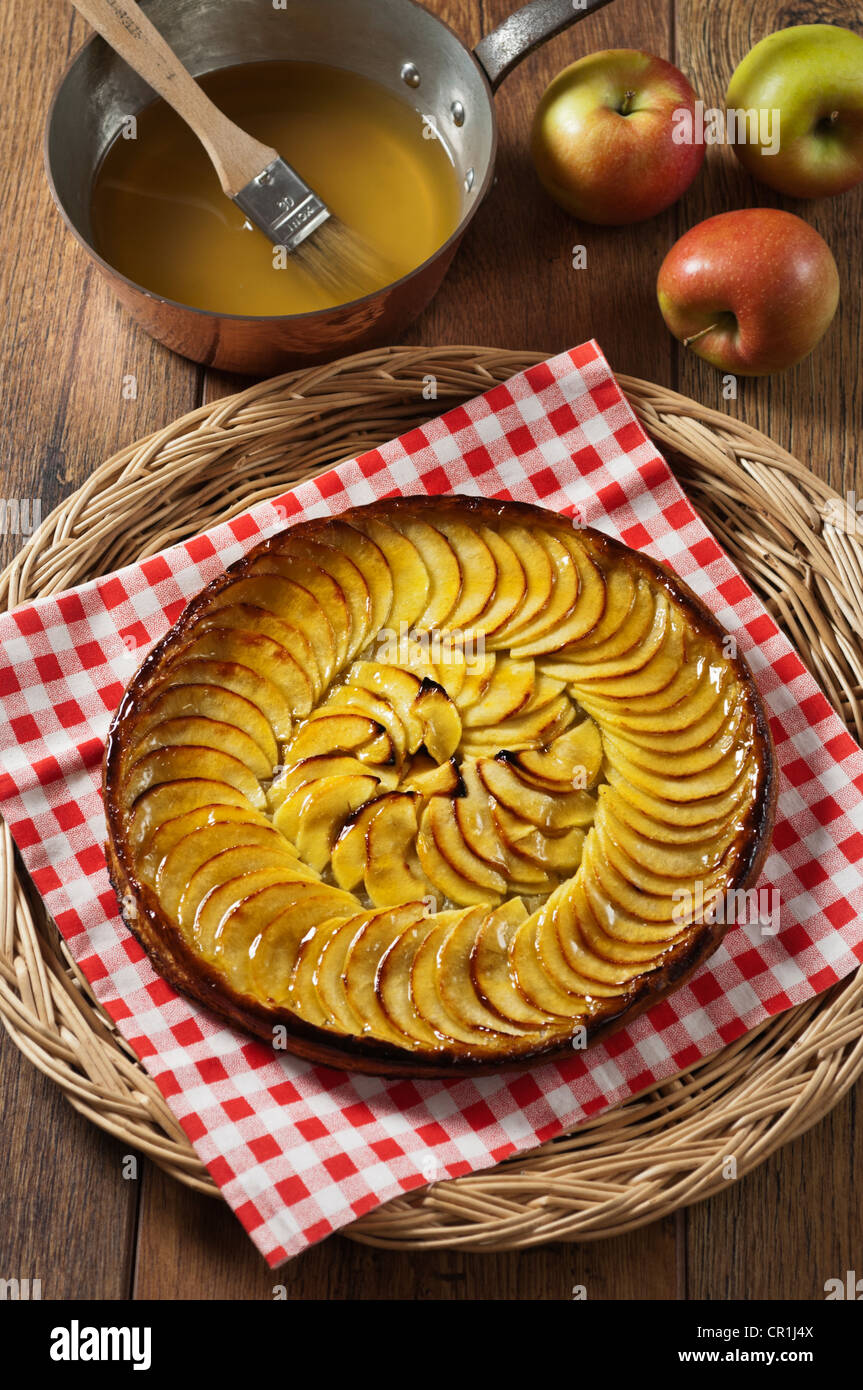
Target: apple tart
point(437, 784)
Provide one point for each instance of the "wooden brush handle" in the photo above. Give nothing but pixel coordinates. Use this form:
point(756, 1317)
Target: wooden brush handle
point(237, 157)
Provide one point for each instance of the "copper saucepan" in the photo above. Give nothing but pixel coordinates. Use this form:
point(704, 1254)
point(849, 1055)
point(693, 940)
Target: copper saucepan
point(396, 43)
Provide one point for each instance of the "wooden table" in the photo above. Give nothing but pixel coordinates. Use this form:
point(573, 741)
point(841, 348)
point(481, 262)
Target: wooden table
point(67, 1214)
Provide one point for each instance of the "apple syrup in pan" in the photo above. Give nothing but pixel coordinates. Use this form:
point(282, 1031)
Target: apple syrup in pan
point(437, 784)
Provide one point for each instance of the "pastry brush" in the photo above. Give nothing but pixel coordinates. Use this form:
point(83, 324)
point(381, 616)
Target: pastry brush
point(270, 193)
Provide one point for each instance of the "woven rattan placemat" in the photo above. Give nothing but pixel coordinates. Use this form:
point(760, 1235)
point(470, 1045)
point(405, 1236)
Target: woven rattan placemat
point(794, 540)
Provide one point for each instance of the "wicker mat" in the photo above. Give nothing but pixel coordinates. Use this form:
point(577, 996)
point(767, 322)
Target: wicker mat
point(790, 535)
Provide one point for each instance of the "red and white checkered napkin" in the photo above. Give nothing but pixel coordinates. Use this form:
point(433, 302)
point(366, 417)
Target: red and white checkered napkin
point(300, 1150)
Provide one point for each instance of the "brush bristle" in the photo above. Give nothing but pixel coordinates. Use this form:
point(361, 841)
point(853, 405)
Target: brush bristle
point(338, 258)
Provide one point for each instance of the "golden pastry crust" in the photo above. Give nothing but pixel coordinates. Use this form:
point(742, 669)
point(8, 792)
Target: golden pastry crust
point(439, 785)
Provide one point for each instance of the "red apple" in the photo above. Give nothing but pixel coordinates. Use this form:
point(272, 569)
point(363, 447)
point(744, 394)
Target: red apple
point(809, 80)
point(751, 292)
point(602, 137)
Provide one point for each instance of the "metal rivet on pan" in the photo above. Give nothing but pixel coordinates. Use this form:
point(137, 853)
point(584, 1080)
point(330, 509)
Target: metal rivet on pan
point(410, 75)
point(468, 180)
point(457, 113)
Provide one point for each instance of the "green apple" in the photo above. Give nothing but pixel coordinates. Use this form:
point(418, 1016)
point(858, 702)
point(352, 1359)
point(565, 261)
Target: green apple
point(812, 74)
point(750, 291)
point(603, 137)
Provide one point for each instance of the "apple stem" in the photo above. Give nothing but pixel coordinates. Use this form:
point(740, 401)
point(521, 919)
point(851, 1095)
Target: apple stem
point(628, 99)
point(695, 336)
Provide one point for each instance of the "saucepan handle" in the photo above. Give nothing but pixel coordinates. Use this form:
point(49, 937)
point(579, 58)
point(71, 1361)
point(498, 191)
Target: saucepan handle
point(501, 50)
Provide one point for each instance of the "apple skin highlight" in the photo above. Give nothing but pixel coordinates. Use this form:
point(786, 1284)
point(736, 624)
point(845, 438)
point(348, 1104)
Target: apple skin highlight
point(753, 290)
point(602, 140)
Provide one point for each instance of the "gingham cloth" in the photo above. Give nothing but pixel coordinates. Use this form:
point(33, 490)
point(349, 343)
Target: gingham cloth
point(299, 1150)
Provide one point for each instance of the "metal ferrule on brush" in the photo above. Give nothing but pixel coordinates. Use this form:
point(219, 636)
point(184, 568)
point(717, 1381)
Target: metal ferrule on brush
point(282, 205)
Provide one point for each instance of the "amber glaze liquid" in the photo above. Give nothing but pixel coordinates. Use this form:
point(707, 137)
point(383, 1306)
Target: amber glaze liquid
point(160, 217)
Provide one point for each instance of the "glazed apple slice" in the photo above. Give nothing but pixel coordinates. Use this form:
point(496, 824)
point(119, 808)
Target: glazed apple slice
point(330, 976)
point(399, 688)
point(546, 812)
point(652, 678)
point(260, 940)
point(185, 858)
point(425, 975)
point(350, 699)
point(392, 872)
point(471, 880)
point(350, 851)
point(531, 980)
point(561, 625)
point(560, 602)
point(157, 844)
point(455, 985)
point(372, 564)
point(660, 711)
point(162, 803)
point(411, 583)
point(322, 586)
point(712, 781)
point(442, 568)
point(555, 915)
point(394, 983)
point(236, 678)
point(635, 657)
point(490, 970)
point(188, 761)
point(428, 778)
point(294, 605)
point(687, 814)
point(535, 560)
point(638, 916)
point(586, 949)
point(478, 670)
point(219, 885)
point(244, 617)
point(474, 819)
point(261, 655)
point(350, 580)
point(509, 691)
point(652, 878)
point(510, 585)
point(210, 702)
point(308, 770)
point(478, 571)
point(734, 733)
point(299, 993)
point(628, 636)
point(203, 732)
point(363, 962)
point(535, 728)
point(692, 735)
point(313, 816)
point(695, 859)
point(571, 761)
point(440, 721)
point(517, 837)
point(649, 826)
point(621, 590)
point(341, 733)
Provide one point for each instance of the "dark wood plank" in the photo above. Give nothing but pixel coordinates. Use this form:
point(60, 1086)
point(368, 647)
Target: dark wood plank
point(193, 1247)
point(816, 409)
point(748, 1242)
point(67, 1214)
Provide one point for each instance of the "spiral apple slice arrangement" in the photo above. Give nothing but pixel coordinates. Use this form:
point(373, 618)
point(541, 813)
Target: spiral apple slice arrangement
point(440, 783)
